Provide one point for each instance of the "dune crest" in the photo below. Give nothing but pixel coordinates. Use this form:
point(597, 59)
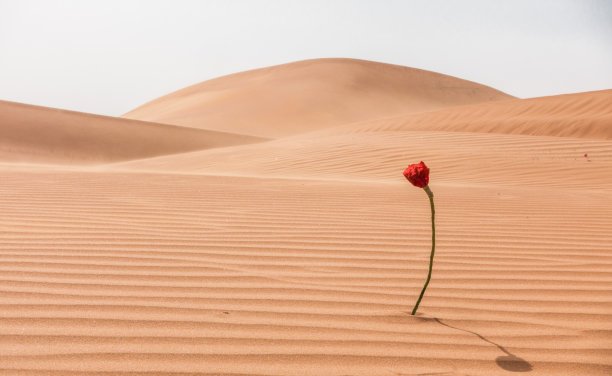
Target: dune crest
point(307, 95)
point(580, 115)
point(47, 135)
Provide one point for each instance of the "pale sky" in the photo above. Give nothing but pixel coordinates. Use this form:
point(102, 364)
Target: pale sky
point(110, 56)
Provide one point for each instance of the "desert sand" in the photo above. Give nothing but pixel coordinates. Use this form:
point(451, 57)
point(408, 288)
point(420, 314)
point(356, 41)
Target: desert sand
point(259, 224)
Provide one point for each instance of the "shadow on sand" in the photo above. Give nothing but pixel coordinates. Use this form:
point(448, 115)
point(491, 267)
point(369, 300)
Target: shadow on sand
point(509, 362)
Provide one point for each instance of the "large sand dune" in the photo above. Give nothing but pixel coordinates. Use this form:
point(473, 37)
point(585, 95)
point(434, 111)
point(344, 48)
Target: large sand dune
point(304, 255)
point(312, 94)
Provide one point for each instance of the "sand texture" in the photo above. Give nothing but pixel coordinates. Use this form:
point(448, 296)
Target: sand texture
point(292, 245)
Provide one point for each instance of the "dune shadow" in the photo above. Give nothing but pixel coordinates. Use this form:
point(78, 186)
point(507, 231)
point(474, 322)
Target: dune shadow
point(509, 362)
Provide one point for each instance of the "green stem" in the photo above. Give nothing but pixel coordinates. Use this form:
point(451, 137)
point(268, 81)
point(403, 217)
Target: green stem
point(433, 247)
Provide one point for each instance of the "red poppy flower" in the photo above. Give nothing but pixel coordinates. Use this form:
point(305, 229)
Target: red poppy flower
point(417, 174)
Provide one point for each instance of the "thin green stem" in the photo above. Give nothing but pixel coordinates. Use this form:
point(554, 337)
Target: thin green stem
point(433, 247)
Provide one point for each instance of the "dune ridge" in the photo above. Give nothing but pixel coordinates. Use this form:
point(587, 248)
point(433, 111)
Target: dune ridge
point(307, 95)
point(303, 255)
point(36, 134)
point(580, 115)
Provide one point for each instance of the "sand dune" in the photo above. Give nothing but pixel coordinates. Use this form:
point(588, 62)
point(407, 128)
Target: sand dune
point(304, 255)
point(47, 135)
point(453, 141)
point(312, 94)
point(581, 115)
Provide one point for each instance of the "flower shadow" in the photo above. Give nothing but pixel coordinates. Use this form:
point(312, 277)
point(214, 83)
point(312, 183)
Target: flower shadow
point(509, 362)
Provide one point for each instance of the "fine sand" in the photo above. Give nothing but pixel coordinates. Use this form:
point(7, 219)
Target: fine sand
point(259, 224)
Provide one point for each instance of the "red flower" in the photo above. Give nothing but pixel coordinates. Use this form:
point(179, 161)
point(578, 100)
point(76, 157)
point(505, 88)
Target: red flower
point(417, 174)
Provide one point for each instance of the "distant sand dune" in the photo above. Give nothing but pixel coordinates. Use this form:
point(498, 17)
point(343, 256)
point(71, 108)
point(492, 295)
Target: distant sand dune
point(581, 115)
point(308, 95)
point(135, 248)
point(445, 138)
point(46, 135)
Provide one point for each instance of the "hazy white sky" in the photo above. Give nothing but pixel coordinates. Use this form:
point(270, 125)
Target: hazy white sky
point(110, 56)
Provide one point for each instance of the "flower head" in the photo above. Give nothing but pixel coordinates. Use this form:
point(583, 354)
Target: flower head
point(417, 174)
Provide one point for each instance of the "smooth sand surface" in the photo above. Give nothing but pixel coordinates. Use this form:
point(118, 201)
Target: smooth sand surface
point(47, 135)
point(305, 254)
point(312, 94)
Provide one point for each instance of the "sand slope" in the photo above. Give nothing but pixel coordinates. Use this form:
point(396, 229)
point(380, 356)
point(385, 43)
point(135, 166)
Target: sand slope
point(312, 94)
point(47, 135)
point(453, 141)
point(304, 255)
point(581, 115)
